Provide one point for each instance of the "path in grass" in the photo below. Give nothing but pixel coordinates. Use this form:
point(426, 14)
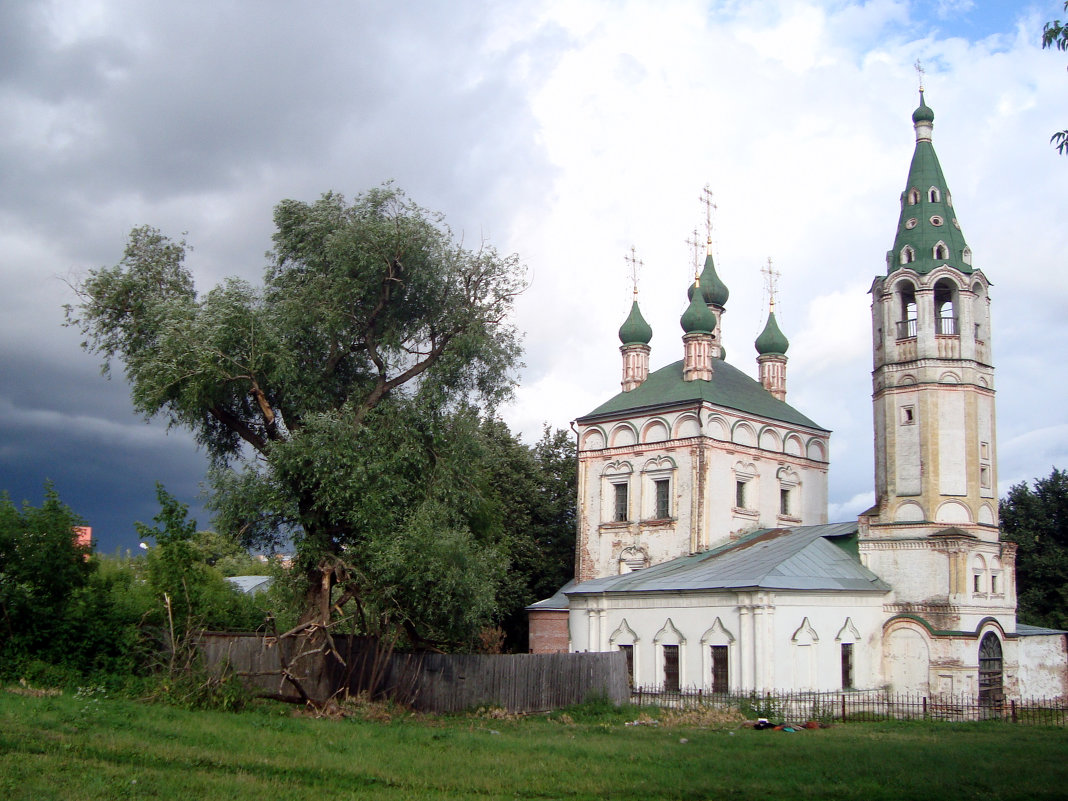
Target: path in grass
point(67, 747)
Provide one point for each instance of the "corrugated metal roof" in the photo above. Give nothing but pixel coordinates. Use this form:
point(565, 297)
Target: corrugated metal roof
point(251, 584)
point(557, 601)
point(729, 387)
point(802, 558)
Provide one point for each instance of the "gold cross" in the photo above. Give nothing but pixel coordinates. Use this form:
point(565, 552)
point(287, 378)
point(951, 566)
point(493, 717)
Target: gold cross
point(710, 206)
point(771, 279)
point(695, 246)
point(635, 264)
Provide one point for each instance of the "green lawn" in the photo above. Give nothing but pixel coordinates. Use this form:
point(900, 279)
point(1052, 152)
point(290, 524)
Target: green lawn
point(68, 747)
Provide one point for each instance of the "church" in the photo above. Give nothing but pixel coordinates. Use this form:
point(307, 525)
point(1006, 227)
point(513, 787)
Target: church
point(703, 548)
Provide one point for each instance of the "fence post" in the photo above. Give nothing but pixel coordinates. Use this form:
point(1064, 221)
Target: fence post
point(1012, 706)
point(843, 708)
point(925, 707)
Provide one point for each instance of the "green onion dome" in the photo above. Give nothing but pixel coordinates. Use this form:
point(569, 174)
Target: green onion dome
point(771, 339)
point(635, 331)
point(698, 318)
point(923, 112)
point(713, 289)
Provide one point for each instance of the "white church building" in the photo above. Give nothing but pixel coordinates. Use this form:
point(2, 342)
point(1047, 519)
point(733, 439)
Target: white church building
point(703, 548)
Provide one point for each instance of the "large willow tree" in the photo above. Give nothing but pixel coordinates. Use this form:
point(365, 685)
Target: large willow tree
point(338, 402)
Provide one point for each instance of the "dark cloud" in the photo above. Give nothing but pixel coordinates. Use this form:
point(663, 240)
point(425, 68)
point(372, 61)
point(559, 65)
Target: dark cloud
point(199, 117)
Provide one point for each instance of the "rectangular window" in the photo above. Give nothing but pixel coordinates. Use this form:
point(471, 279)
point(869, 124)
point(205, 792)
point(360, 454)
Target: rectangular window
point(908, 416)
point(628, 651)
point(984, 477)
point(621, 503)
point(994, 584)
point(784, 501)
point(671, 668)
point(977, 583)
point(739, 494)
point(847, 666)
point(663, 498)
point(720, 671)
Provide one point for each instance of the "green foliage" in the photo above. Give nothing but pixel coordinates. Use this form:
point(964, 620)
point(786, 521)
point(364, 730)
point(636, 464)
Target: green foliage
point(189, 594)
point(337, 401)
point(1036, 519)
point(534, 490)
point(1055, 34)
point(67, 615)
point(41, 574)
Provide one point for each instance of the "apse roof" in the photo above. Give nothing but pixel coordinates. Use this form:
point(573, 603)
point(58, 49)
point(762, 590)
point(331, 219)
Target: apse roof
point(816, 558)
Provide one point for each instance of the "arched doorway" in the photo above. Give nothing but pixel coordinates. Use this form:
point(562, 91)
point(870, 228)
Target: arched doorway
point(991, 689)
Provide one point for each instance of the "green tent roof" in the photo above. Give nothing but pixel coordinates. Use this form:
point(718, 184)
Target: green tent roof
point(729, 388)
point(923, 224)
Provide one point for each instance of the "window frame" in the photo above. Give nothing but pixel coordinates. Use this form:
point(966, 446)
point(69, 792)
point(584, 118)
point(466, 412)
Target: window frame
point(620, 501)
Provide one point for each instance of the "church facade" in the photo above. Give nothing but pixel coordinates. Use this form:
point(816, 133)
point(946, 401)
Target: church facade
point(703, 548)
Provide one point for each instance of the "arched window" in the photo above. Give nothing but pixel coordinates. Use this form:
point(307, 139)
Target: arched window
point(914, 197)
point(933, 194)
point(966, 256)
point(991, 691)
point(979, 311)
point(906, 327)
point(941, 251)
point(908, 255)
point(945, 299)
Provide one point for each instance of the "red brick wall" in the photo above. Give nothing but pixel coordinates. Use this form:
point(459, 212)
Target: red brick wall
point(548, 631)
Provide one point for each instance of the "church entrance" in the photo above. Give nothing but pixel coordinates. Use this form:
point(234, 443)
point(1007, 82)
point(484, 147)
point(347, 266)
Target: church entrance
point(991, 689)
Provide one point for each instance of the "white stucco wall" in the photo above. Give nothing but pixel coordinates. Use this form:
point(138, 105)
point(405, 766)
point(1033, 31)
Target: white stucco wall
point(703, 456)
point(776, 640)
point(1043, 666)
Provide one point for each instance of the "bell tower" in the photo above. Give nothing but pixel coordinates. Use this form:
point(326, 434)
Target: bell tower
point(933, 531)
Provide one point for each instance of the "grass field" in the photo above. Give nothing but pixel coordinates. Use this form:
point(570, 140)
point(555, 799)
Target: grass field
point(90, 747)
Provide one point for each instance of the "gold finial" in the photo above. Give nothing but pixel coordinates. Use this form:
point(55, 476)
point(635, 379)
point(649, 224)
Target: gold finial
point(710, 206)
point(635, 264)
point(695, 246)
point(918, 66)
point(771, 279)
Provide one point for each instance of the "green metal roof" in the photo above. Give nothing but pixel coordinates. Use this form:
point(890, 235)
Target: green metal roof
point(771, 339)
point(729, 388)
point(922, 225)
point(802, 558)
point(635, 331)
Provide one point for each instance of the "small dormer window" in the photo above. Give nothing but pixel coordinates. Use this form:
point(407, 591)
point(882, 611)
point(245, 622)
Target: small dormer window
point(914, 197)
point(956, 224)
point(949, 200)
point(936, 220)
point(911, 223)
point(966, 256)
point(908, 255)
point(941, 251)
point(933, 194)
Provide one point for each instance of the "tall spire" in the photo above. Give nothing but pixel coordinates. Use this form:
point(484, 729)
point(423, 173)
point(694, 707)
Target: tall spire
point(928, 234)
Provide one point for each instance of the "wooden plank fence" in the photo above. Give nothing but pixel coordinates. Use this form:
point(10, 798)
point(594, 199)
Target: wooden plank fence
point(426, 682)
